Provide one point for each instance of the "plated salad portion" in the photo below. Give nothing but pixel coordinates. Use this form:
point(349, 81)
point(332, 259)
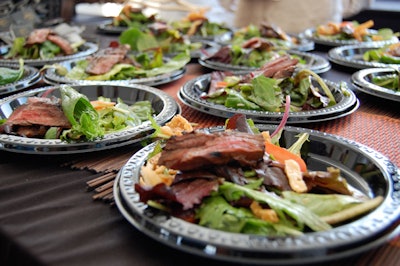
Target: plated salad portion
point(46, 43)
point(353, 30)
point(132, 16)
point(388, 54)
point(242, 180)
point(72, 117)
point(266, 88)
point(117, 62)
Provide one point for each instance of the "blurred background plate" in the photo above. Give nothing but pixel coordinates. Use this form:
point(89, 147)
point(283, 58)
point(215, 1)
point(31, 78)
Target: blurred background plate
point(362, 80)
point(84, 50)
point(30, 77)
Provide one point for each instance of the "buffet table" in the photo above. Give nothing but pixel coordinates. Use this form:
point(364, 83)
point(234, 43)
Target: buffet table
point(48, 216)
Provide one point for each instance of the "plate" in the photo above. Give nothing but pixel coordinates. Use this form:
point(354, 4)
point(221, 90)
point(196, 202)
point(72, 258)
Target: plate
point(310, 34)
point(362, 81)
point(30, 77)
point(192, 89)
point(50, 76)
point(381, 177)
point(315, 63)
point(352, 56)
point(164, 105)
point(109, 28)
point(84, 50)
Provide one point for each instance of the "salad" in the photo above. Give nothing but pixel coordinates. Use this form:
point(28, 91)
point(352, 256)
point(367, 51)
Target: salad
point(266, 88)
point(389, 81)
point(46, 43)
point(241, 180)
point(388, 54)
point(131, 16)
point(267, 32)
point(118, 63)
point(196, 24)
point(73, 117)
point(353, 30)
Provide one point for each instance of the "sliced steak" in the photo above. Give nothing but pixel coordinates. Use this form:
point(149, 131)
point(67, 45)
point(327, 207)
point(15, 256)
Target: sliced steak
point(104, 60)
point(39, 111)
point(38, 36)
point(198, 149)
point(62, 43)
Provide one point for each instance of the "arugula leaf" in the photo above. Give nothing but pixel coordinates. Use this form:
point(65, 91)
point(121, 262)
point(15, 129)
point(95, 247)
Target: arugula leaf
point(299, 213)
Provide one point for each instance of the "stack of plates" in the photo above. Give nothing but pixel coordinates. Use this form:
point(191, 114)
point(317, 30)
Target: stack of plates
point(381, 178)
point(165, 107)
point(191, 91)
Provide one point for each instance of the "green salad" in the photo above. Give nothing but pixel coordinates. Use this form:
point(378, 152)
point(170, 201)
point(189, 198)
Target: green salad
point(10, 75)
point(388, 54)
point(390, 81)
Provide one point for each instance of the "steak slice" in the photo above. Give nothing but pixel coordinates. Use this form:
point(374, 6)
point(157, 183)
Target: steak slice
point(104, 60)
point(198, 149)
point(39, 111)
point(38, 36)
point(62, 43)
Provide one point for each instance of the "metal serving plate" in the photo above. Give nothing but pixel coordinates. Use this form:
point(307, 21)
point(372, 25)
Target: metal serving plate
point(85, 49)
point(165, 108)
point(315, 63)
point(191, 91)
point(310, 34)
point(30, 77)
point(364, 168)
point(352, 56)
point(52, 77)
point(362, 81)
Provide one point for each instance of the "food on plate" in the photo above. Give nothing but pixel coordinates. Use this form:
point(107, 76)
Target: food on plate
point(388, 54)
point(388, 81)
point(73, 117)
point(254, 52)
point(243, 181)
point(118, 63)
point(353, 30)
point(9, 75)
point(132, 16)
point(46, 43)
point(196, 24)
point(267, 32)
point(266, 88)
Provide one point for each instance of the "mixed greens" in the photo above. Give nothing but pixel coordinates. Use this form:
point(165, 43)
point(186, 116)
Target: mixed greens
point(268, 94)
point(10, 75)
point(254, 207)
point(388, 54)
point(389, 81)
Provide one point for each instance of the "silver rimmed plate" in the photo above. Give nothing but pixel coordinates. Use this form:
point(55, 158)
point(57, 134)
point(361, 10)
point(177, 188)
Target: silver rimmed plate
point(310, 34)
point(51, 76)
point(323, 150)
point(30, 77)
point(315, 63)
point(362, 80)
point(165, 107)
point(192, 90)
point(352, 56)
point(84, 50)
point(109, 28)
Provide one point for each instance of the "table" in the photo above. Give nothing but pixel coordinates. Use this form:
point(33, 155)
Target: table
point(47, 216)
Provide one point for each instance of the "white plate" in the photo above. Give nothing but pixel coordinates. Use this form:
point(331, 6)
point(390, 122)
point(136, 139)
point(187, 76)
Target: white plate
point(165, 108)
point(382, 178)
